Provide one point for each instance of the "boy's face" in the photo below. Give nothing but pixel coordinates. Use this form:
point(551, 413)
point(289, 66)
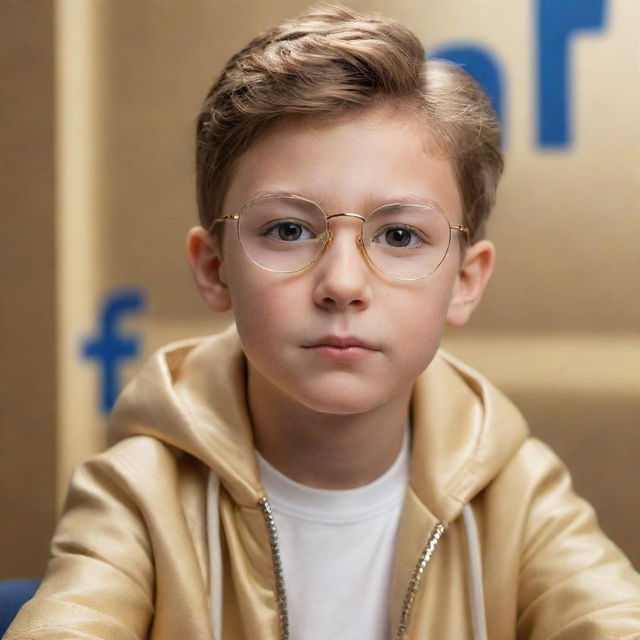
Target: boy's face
point(291, 324)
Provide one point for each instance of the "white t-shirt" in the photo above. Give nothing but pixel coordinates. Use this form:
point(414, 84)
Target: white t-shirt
point(337, 549)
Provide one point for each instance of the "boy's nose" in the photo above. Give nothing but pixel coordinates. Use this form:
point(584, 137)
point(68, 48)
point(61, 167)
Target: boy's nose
point(342, 274)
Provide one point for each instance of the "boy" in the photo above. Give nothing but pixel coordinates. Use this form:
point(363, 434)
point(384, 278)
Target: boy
point(320, 470)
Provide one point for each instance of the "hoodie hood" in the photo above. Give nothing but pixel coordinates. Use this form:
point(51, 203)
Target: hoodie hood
point(191, 395)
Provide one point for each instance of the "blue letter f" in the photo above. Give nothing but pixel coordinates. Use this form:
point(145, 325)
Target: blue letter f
point(108, 347)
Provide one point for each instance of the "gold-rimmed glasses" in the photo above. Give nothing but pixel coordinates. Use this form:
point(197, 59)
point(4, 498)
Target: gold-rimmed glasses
point(288, 233)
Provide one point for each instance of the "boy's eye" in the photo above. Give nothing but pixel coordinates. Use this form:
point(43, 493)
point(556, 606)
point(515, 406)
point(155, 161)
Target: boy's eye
point(288, 231)
point(399, 236)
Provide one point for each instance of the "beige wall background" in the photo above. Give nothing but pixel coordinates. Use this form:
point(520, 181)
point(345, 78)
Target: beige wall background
point(97, 107)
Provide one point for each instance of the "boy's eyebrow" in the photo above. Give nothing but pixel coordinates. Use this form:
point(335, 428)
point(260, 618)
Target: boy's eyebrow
point(372, 203)
point(411, 199)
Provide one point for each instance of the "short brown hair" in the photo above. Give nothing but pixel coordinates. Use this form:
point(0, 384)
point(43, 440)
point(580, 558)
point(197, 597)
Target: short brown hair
point(332, 60)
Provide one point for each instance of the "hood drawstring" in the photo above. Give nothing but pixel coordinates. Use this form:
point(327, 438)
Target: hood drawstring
point(476, 592)
point(215, 553)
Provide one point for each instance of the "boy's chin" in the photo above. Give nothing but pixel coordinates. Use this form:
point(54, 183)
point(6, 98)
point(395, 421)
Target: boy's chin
point(342, 401)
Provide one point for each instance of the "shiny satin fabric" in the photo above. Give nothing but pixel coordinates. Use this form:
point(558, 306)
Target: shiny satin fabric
point(130, 557)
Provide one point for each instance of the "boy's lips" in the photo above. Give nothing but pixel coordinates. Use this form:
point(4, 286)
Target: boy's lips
point(342, 342)
point(342, 348)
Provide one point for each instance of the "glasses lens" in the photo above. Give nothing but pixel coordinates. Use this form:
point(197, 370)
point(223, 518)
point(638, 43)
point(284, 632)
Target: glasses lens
point(281, 233)
point(406, 241)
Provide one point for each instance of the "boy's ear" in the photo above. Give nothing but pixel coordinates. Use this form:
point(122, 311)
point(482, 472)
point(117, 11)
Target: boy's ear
point(472, 278)
point(205, 260)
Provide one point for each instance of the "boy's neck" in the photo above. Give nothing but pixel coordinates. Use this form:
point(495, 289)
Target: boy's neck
point(323, 450)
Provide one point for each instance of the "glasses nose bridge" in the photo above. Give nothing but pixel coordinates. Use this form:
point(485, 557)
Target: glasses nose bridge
point(346, 214)
point(329, 234)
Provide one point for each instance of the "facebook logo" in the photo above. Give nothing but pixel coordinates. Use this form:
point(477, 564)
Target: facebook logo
point(109, 347)
point(557, 24)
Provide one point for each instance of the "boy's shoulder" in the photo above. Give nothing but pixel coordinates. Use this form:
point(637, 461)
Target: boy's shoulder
point(142, 467)
point(465, 432)
point(168, 396)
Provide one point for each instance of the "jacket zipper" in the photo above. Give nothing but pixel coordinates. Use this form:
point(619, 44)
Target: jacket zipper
point(265, 507)
point(416, 577)
point(414, 583)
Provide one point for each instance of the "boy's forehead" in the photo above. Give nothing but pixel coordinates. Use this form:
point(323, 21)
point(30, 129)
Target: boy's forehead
point(358, 160)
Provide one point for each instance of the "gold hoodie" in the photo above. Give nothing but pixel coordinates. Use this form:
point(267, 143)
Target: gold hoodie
point(492, 544)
